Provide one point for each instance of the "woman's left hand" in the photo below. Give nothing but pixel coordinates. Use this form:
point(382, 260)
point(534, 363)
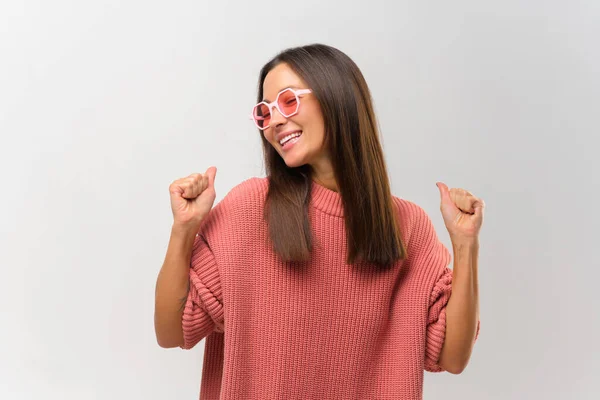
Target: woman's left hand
point(462, 213)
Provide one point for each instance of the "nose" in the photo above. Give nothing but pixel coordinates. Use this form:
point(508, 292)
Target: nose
point(276, 118)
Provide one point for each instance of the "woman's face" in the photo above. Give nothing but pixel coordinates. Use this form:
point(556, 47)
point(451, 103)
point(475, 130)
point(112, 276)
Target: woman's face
point(308, 148)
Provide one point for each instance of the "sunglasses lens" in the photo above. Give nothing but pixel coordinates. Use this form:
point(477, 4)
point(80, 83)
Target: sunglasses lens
point(262, 116)
point(287, 102)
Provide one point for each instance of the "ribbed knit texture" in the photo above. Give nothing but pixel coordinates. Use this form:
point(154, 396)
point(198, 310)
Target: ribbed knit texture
point(326, 331)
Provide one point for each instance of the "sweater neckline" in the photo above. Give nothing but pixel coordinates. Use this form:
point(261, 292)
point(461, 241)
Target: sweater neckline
point(327, 200)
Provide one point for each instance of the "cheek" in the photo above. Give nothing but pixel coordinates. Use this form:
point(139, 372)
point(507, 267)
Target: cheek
point(270, 135)
point(317, 129)
point(313, 120)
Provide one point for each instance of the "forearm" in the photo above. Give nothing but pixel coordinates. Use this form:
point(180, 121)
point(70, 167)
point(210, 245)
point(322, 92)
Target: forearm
point(172, 287)
point(462, 310)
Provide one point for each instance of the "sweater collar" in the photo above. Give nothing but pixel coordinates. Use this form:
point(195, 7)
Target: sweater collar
point(327, 200)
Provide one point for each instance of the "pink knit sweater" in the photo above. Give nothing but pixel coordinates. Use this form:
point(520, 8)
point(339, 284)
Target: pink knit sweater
point(327, 332)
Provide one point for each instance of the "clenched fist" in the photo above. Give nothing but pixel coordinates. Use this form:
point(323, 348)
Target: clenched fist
point(192, 198)
point(462, 212)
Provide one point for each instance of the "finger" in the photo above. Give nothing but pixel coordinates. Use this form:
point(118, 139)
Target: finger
point(463, 199)
point(195, 177)
point(469, 202)
point(178, 186)
point(464, 202)
point(211, 173)
point(479, 205)
point(192, 186)
point(198, 186)
point(444, 192)
point(188, 190)
point(465, 192)
point(457, 196)
point(199, 183)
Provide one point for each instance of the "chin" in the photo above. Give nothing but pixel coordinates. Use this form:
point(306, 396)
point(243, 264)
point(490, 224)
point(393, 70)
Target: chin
point(293, 164)
point(294, 161)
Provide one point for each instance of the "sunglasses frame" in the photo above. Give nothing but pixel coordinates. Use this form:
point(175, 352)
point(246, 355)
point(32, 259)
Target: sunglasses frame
point(297, 93)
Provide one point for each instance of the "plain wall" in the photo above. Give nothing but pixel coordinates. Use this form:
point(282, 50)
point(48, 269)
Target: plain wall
point(103, 104)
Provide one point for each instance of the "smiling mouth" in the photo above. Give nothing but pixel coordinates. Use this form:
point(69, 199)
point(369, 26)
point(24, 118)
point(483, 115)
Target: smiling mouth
point(289, 143)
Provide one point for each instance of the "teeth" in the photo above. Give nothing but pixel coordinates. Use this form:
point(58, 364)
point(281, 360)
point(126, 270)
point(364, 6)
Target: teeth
point(288, 137)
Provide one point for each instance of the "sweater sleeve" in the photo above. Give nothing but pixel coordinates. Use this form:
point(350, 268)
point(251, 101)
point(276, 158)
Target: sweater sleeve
point(432, 255)
point(203, 312)
point(436, 321)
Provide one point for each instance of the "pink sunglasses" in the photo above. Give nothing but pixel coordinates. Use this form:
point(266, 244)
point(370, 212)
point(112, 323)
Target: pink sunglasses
point(287, 103)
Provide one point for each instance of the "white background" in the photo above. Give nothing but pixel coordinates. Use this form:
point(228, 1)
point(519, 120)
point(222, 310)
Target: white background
point(103, 104)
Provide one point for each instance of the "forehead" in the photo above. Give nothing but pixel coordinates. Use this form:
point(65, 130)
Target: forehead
point(279, 78)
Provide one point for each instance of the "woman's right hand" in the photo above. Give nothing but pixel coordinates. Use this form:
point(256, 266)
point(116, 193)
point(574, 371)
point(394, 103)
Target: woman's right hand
point(192, 198)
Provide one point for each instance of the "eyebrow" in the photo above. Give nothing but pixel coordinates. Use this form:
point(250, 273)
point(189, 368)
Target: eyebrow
point(287, 87)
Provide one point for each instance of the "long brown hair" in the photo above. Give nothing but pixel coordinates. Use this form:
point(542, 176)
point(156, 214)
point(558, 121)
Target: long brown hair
point(352, 139)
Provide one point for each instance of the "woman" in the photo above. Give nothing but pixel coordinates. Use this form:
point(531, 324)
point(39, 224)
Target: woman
point(316, 282)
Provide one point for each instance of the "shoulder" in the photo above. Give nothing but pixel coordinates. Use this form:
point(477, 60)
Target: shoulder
point(408, 207)
point(418, 231)
point(411, 215)
point(242, 199)
point(251, 187)
point(239, 211)
point(247, 194)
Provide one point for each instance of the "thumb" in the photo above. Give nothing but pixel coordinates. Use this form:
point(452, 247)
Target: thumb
point(444, 192)
point(211, 172)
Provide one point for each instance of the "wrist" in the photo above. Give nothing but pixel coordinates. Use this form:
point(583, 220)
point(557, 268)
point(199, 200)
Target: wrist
point(465, 242)
point(184, 230)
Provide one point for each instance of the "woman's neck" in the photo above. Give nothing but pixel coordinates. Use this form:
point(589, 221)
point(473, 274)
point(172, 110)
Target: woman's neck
point(328, 183)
